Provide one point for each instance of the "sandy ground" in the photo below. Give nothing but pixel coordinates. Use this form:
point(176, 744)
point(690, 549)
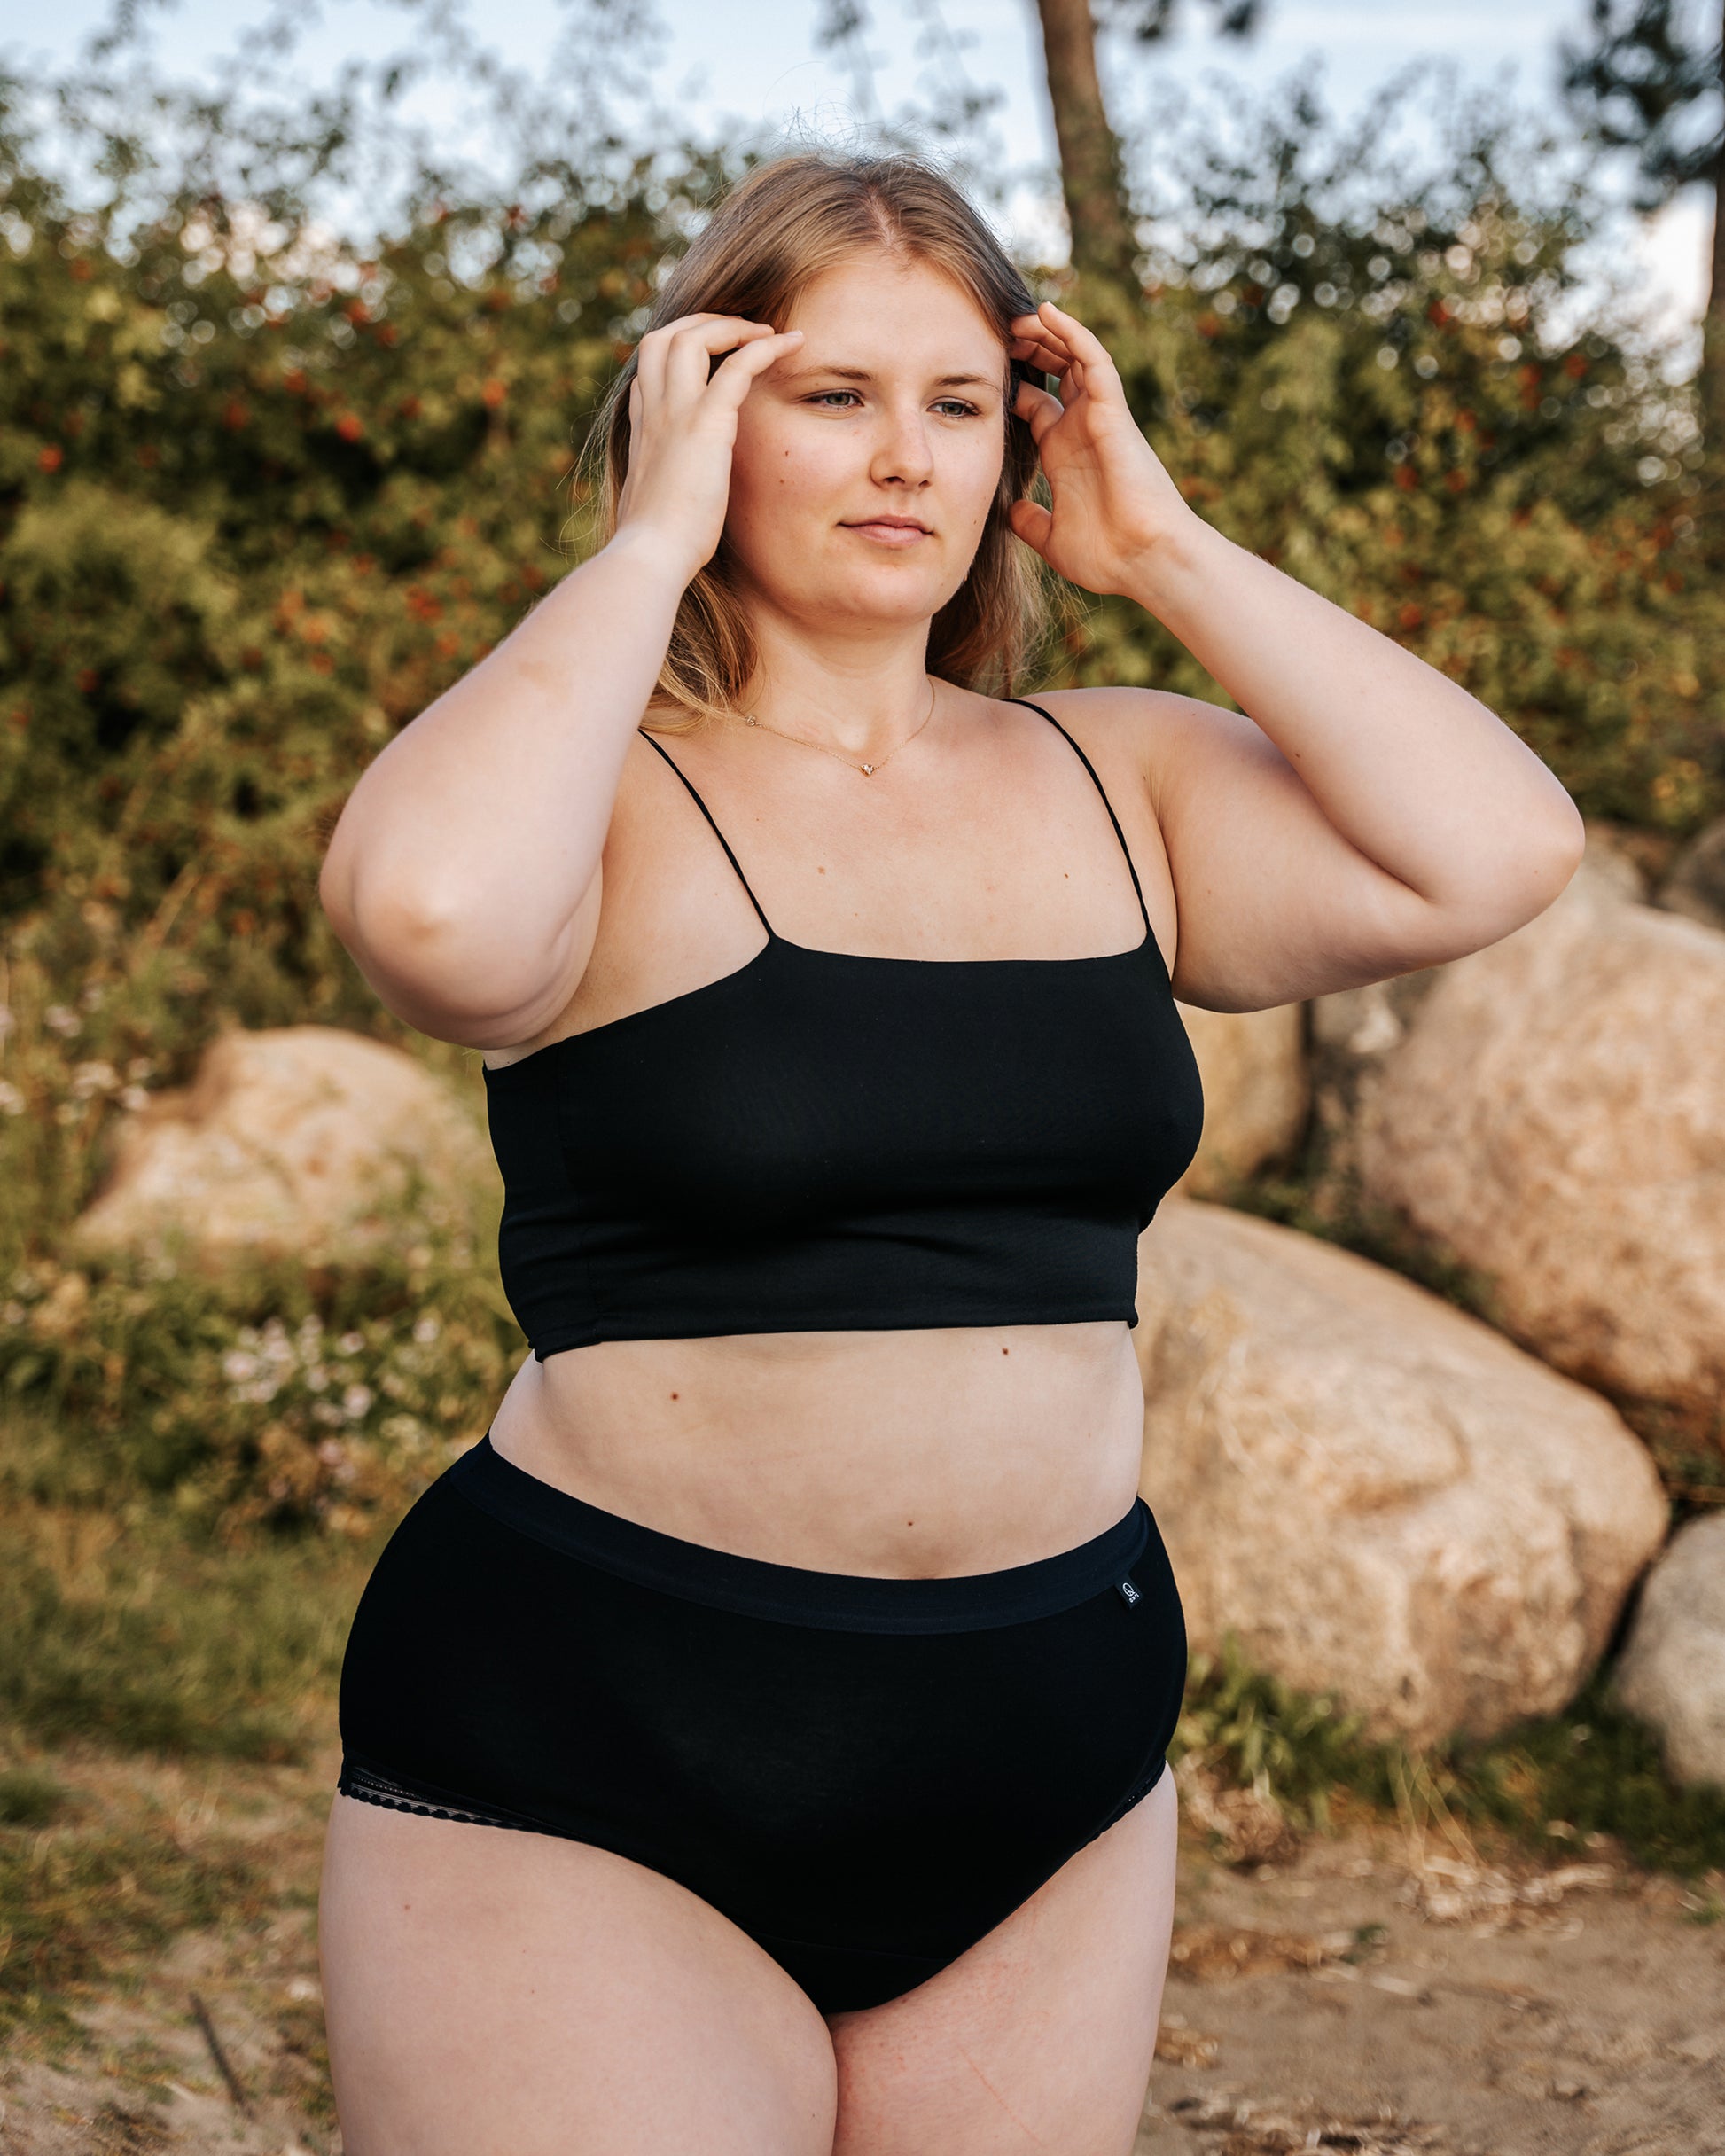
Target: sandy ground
point(1373, 1993)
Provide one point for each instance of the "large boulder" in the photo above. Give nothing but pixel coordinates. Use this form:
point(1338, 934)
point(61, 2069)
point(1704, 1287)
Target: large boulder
point(1381, 1497)
point(302, 1141)
point(1555, 1119)
point(1672, 1671)
point(1356, 1031)
point(1252, 1064)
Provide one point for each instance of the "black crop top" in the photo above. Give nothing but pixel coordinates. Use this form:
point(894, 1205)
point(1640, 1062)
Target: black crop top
point(824, 1141)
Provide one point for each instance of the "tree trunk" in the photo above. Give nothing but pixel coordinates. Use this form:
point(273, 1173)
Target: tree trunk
point(1713, 340)
point(1103, 247)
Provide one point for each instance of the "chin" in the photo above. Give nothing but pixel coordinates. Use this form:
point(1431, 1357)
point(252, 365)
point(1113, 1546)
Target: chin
point(889, 589)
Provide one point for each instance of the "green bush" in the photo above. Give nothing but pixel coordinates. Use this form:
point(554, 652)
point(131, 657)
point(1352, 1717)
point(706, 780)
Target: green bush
point(266, 1395)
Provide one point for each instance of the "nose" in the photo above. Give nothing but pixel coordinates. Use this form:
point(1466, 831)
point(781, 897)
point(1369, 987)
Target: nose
point(903, 454)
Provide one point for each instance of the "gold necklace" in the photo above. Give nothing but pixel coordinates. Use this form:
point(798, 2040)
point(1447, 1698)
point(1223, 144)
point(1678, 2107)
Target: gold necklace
point(748, 718)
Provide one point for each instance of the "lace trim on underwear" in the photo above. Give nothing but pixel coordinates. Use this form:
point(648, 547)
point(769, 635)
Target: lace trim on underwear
point(394, 1796)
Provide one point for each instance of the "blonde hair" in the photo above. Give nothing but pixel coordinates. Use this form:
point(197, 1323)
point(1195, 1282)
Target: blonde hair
point(773, 235)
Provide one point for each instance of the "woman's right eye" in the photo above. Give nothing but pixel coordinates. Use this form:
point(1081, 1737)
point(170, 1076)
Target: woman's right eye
point(821, 397)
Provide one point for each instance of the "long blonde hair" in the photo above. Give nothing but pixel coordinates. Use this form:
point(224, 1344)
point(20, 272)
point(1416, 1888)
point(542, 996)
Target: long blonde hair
point(768, 241)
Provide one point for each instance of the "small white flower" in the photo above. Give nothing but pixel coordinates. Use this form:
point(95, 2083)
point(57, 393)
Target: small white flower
point(91, 1078)
point(237, 1366)
point(350, 1343)
point(11, 1101)
point(425, 1331)
point(57, 1019)
point(355, 1401)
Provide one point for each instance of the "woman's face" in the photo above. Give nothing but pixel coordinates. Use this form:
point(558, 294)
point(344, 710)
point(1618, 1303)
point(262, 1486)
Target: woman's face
point(867, 460)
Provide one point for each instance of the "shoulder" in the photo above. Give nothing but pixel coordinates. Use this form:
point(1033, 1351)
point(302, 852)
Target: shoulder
point(1122, 733)
point(1150, 736)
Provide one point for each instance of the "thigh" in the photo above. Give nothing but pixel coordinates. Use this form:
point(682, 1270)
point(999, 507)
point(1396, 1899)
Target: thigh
point(1042, 2036)
point(493, 1993)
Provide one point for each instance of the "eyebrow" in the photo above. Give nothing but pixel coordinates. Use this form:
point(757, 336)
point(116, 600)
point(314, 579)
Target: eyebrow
point(942, 381)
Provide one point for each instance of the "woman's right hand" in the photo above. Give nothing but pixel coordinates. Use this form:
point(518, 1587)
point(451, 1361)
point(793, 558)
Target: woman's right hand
point(682, 428)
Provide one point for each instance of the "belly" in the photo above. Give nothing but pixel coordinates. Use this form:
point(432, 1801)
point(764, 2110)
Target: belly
point(904, 1454)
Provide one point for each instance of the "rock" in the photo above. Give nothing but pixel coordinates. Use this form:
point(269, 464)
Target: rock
point(303, 1140)
point(1696, 885)
point(1608, 854)
point(1383, 1498)
point(1673, 1670)
point(1253, 1063)
point(1353, 1033)
point(1555, 1119)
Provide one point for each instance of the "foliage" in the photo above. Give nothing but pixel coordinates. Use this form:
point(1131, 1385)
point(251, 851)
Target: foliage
point(1593, 1769)
point(1638, 87)
point(1253, 1732)
point(272, 1395)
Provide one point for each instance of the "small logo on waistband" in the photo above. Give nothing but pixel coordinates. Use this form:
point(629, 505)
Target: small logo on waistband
point(1128, 1593)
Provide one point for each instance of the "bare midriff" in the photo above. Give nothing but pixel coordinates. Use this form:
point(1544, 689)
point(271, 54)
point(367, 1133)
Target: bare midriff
point(906, 1455)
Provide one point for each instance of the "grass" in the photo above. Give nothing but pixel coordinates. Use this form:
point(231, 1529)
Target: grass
point(1594, 1769)
point(85, 1892)
point(132, 1630)
point(138, 1635)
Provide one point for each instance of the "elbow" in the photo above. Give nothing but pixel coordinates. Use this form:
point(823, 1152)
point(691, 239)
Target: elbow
point(1554, 853)
point(1519, 885)
point(442, 966)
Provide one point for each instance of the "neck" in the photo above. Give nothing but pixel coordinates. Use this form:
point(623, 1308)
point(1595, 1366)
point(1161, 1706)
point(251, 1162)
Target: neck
point(859, 695)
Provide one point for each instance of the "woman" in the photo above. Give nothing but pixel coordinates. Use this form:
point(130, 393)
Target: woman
point(755, 1744)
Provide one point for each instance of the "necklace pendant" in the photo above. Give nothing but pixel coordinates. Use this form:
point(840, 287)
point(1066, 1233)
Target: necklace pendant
point(867, 770)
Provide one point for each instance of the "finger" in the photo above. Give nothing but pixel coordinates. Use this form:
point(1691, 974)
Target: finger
point(1032, 523)
point(653, 355)
point(1084, 344)
point(737, 373)
point(1038, 409)
point(1073, 383)
point(1034, 353)
point(666, 332)
point(654, 348)
point(689, 356)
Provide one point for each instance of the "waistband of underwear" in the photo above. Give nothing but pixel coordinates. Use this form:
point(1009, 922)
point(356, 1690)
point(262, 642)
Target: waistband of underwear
point(835, 1601)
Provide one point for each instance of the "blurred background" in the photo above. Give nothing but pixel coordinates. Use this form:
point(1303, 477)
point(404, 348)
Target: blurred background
point(302, 314)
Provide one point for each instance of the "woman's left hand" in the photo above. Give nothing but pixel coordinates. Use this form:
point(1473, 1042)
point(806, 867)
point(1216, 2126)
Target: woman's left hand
point(1114, 499)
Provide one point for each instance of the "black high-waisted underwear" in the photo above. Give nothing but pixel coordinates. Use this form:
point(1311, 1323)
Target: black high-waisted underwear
point(865, 1773)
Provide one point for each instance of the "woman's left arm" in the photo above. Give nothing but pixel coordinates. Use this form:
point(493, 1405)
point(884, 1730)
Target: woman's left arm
point(1370, 816)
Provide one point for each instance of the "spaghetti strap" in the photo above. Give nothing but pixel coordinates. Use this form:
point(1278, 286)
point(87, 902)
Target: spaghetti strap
point(720, 835)
point(1130, 869)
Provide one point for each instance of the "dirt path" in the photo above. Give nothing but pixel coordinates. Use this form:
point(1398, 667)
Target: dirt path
point(1371, 1995)
point(1382, 1997)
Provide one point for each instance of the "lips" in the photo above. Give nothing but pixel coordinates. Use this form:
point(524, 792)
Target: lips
point(902, 530)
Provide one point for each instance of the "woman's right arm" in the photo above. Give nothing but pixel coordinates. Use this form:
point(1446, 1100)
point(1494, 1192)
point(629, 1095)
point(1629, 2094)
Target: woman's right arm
point(464, 873)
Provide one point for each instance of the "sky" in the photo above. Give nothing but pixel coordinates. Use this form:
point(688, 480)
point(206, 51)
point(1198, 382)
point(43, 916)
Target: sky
point(735, 69)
